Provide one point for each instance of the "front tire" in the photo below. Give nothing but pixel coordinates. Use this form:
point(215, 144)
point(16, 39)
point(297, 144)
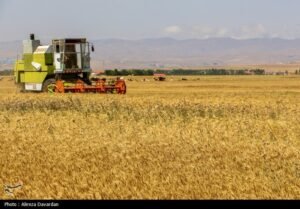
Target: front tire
point(49, 85)
point(21, 88)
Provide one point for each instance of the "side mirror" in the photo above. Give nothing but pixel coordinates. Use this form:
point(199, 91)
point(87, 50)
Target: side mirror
point(93, 49)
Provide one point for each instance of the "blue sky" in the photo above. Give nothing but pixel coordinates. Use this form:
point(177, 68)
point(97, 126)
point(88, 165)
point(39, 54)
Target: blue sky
point(137, 19)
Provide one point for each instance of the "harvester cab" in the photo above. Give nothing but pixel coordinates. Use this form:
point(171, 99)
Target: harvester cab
point(61, 67)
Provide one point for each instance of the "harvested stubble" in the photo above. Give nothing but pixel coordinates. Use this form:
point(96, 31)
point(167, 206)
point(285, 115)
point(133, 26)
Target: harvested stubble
point(169, 140)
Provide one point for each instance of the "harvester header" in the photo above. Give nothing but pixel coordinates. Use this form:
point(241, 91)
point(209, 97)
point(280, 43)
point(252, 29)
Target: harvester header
point(63, 66)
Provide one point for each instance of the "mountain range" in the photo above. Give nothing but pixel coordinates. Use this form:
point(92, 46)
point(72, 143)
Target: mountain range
point(168, 52)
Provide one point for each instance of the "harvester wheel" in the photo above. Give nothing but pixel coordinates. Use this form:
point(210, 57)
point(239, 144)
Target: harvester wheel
point(49, 85)
point(21, 88)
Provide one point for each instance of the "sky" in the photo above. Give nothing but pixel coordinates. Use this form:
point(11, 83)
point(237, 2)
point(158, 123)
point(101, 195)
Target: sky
point(139, 19)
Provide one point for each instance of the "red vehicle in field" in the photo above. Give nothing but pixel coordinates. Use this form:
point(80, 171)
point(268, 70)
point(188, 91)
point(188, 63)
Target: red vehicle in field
point(160, 77)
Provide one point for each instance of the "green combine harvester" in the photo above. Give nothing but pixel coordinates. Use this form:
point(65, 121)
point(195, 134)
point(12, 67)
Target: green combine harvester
point(61, 67)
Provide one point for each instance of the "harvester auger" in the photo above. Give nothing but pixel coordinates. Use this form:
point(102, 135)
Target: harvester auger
point(61, 67)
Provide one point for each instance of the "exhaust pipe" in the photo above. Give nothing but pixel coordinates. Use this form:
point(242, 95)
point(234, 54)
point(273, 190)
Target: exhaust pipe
point(32, 36)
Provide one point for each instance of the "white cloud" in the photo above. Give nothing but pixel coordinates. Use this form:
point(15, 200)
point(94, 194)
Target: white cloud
point(205, 32)
point(174, 29)
point(251, 31)
point(202, 31)
point(239, 32)
point(222, 32)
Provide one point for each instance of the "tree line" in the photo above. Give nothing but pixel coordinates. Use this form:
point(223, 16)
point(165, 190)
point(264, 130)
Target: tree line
point(5, 72)
point(149, 72)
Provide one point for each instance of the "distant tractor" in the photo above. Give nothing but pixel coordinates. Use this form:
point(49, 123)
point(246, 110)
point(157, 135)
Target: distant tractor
point(63, 66)
point(159, 77)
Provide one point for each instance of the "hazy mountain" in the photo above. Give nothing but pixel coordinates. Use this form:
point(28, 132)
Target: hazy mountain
point(167, 52)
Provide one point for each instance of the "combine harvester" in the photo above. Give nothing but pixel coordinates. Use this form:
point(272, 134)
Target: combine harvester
point(61, 67)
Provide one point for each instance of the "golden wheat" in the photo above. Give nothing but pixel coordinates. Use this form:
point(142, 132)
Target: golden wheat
point(208, 137)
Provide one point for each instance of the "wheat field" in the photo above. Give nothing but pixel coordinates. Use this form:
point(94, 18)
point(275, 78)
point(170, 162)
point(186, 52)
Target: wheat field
point(205, 138)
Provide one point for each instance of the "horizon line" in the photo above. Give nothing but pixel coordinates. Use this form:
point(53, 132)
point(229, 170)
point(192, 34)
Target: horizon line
point(171, 38)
